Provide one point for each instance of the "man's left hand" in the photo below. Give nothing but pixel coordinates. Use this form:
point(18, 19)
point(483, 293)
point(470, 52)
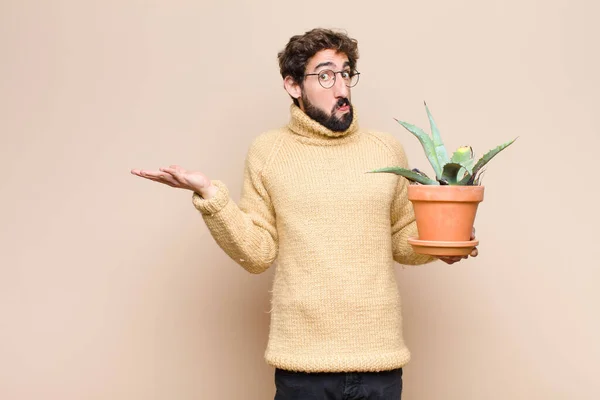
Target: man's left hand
point(452, 259)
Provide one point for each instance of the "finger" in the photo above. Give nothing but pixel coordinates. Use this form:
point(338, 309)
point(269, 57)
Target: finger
point(473, 233)
point(144, 174)
point(169, 170)
point(160, 181)
point(139, 172)
point(474, 252)
point(177, 168)
point(176, 174)
point(150, 174)
point(448, 260)
point(170, 179)
point(160, 177)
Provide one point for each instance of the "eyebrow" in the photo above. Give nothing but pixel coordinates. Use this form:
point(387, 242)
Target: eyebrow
point(330, 64)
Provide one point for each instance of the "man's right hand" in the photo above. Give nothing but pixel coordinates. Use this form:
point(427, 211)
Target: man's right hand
point(177, 177)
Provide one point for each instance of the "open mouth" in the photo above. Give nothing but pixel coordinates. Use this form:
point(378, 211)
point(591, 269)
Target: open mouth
point(343, 105)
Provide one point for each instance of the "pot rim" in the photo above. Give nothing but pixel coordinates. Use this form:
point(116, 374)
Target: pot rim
point(446, 193)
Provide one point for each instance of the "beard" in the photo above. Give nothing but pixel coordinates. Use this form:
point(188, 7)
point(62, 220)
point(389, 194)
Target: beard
point(330, 121)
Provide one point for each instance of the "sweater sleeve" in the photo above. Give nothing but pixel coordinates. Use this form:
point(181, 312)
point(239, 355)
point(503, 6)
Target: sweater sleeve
point(246, 232)
point(404, 225)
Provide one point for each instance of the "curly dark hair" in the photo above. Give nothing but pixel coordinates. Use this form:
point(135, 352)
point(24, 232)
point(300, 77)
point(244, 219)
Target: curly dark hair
point(300, 48)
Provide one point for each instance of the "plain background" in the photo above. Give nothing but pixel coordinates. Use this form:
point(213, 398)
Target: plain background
point(111, 287)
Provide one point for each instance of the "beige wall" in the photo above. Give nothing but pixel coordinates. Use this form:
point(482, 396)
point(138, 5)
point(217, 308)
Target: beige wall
point(112, 288)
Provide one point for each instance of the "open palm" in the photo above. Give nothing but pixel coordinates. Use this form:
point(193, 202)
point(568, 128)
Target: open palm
point(177, 177)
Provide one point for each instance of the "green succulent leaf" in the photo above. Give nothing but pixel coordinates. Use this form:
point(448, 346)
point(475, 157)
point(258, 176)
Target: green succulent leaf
point(408, 174)
point(450, 173)
point(489, 155)
point(420, 172)
point(440, 149)
point(427, 144)
point(466, 180)
point(464, 157)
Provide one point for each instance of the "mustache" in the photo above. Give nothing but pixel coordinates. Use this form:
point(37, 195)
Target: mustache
point(343, 102)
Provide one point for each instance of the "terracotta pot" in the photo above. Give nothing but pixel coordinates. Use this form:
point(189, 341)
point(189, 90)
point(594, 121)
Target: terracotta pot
point(445, 213)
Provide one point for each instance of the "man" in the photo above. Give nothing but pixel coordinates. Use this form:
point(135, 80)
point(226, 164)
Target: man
point(336, 325)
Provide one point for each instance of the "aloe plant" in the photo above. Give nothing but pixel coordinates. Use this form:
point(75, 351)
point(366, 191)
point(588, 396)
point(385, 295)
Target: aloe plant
point(459, 169)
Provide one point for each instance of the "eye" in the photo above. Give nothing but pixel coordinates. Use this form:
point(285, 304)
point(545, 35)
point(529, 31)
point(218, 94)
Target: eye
point(325, 75)
point(346, 74)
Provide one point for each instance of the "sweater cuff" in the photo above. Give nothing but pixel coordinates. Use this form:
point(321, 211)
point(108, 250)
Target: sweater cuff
point(215, 203)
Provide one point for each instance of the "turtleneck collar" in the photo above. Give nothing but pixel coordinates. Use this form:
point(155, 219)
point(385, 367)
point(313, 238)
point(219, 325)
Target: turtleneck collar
point(306, 127)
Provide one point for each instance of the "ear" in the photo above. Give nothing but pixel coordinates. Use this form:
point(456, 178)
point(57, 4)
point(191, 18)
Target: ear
point(292, 87)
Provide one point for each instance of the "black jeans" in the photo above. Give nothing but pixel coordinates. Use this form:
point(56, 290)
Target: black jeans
point(386, 385)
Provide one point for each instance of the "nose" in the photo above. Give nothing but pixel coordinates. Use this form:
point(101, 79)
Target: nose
point(340, 89)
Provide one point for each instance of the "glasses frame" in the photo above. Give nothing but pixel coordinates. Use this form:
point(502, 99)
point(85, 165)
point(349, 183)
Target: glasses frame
point(354, 73)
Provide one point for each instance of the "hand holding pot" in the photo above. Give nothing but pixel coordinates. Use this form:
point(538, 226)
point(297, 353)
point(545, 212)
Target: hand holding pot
point(452, 260)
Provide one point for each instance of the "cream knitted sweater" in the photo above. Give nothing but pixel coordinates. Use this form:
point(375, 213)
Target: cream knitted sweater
point(335, 231)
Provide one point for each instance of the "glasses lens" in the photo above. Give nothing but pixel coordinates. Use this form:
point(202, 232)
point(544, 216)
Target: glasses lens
point(353, 79)
point(327, 78)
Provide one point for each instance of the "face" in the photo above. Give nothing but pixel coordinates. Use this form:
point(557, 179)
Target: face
point(330, 107)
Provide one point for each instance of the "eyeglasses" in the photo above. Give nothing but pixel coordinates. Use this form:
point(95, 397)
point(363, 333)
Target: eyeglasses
point(327, 77)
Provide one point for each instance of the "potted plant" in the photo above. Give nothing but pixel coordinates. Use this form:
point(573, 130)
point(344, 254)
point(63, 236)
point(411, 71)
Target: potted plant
point(445, 207)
